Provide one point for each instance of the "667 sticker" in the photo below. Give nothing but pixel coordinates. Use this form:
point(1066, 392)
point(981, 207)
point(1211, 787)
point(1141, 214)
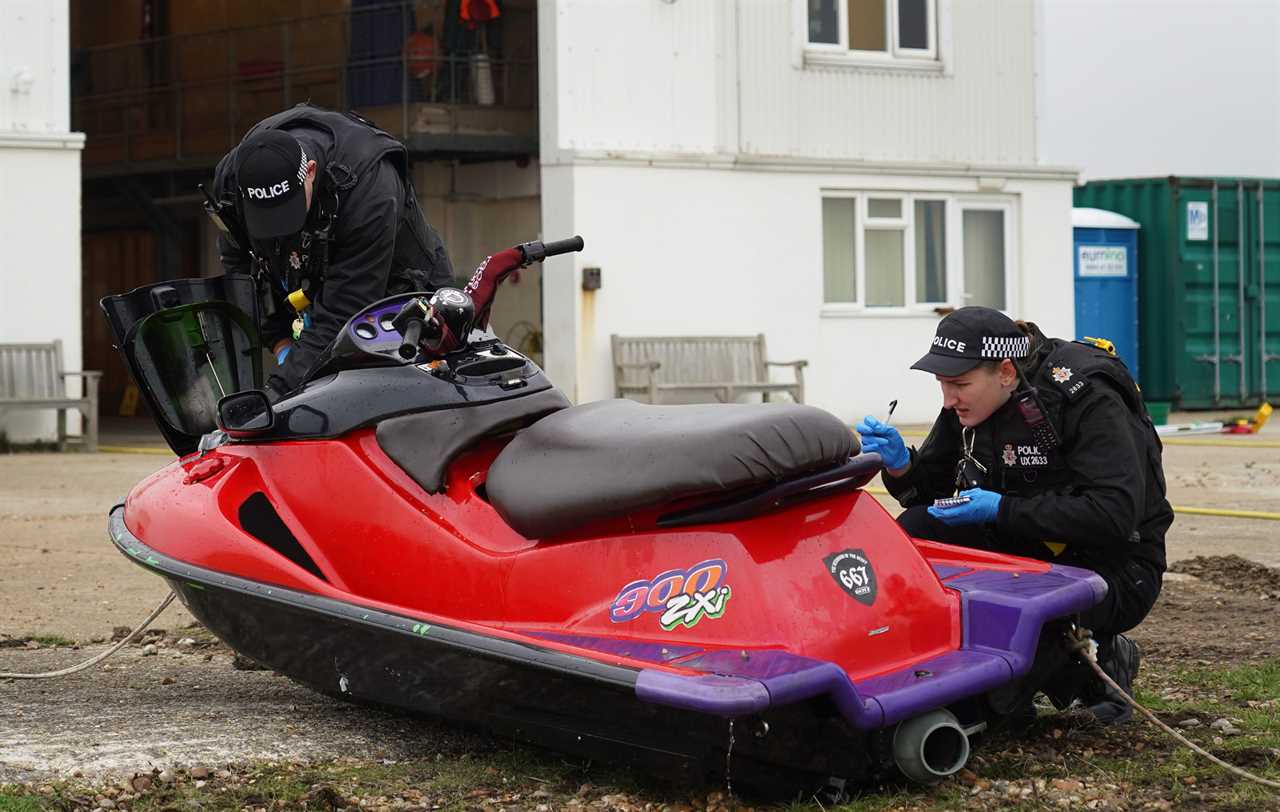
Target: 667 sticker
point(854, 573)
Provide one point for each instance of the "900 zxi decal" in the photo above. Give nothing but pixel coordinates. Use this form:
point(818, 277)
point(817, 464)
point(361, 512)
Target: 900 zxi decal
point(684, 597)
point(854, 574)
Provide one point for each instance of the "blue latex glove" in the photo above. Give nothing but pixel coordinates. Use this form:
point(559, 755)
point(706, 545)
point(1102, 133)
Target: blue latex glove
point(885, 441)
point(981, 508)
point(283, 354)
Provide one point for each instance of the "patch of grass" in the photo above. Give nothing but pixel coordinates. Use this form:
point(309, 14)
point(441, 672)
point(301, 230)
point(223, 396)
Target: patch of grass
point(1257, 682)
point(947, 796)
point(1213, 693)
point(18, 802)
point(51, 640)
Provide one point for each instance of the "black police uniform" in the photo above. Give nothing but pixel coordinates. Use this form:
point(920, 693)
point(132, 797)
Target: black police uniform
point(376, 243)
point(1097, 500)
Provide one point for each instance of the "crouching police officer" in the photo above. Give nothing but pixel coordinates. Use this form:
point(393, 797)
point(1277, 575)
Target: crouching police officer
point(319, 206)
point(1050, 445)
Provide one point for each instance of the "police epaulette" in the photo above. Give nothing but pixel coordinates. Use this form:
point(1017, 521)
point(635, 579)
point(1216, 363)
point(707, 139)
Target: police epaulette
point(1069, 382)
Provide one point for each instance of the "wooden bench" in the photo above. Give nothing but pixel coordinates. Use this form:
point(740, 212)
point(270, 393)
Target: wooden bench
point(32, 377)
point(683, 369)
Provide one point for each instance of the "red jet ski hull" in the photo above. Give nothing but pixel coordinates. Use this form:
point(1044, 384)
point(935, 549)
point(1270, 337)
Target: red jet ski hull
point(821, 623)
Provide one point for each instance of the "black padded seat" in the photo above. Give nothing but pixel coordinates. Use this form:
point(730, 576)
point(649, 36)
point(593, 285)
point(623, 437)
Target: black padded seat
point(610, 457)
point(424, 444)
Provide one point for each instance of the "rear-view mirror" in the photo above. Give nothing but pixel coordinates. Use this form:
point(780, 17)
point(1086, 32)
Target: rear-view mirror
point(247, 412)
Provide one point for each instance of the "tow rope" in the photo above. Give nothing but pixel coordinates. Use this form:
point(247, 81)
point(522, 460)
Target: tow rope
point(92, 661)
point(1198, 511)
point(1080, 641)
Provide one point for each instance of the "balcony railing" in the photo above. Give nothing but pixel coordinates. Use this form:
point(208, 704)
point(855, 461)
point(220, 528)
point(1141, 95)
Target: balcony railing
point(186, 99)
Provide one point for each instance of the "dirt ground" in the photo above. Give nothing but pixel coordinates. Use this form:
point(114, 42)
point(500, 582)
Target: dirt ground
point(183, 706)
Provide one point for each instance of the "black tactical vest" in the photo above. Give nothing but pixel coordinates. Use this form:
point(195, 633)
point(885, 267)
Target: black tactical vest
point(1020, 465)
point(419, 261)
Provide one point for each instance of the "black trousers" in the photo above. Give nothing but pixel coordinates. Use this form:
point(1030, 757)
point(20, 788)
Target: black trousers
point(1132, 589)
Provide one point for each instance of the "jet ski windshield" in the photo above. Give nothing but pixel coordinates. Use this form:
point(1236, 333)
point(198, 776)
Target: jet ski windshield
point(188, 343)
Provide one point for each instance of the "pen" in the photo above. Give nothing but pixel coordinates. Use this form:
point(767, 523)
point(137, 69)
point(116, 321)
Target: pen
point(893, 404)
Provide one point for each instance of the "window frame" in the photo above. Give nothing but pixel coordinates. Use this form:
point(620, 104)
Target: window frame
point(1006, 207)
point(955, 204)
point(900, 224)
point(839, 52)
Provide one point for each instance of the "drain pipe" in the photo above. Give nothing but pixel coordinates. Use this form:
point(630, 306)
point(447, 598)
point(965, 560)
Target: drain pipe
point(930, 747)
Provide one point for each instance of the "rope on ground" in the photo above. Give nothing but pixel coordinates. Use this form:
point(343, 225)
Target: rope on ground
point(130, 449)
point(1225, 442)
point(99, 657)
point(1083, 646)
point(1198, 511)
point(1240, 443)
point(1235, 514)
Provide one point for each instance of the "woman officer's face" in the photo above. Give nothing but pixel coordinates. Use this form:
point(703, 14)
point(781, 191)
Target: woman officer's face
point(978, 393)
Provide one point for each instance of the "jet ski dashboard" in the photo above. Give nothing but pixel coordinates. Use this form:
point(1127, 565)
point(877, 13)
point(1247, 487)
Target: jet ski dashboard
point(362, 379)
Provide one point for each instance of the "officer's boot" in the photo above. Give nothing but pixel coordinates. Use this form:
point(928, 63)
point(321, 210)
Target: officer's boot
point(1121, 664)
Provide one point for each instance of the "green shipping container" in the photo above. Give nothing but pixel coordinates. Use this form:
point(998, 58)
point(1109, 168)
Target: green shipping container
point(1208, 285)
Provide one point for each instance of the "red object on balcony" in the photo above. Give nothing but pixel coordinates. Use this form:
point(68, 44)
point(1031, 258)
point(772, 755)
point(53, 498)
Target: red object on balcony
point(257, 68)
point(478, 11)
point(420, 51)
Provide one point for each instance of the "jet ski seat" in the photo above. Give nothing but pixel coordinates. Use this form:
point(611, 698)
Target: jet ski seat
point(424, 444)
point(607, 458)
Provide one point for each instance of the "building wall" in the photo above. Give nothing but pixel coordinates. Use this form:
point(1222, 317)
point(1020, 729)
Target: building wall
point(719, 76)
point(740, 252)
point(40, 199)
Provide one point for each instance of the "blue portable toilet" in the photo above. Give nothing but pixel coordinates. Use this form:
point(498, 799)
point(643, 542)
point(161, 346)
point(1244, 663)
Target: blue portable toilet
point(1105, 260)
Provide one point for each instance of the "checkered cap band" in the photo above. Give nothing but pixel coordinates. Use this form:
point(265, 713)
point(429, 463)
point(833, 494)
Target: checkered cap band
point(1001, 347)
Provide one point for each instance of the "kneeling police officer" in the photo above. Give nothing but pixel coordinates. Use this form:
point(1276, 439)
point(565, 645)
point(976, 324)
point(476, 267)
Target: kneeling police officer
point(319, 206)
point(1054, 457)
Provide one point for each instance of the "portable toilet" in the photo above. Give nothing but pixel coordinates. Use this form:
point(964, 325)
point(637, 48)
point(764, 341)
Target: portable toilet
point(1106, 277)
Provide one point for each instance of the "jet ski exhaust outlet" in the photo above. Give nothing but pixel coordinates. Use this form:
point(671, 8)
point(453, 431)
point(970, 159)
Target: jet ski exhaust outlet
point(930, 747)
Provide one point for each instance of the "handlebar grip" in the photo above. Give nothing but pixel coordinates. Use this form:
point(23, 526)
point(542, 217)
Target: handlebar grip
point(409, 347)
point(563, 246)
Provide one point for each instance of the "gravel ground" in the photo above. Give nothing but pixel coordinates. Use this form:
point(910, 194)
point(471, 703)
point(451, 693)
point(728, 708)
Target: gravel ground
point(183, 705)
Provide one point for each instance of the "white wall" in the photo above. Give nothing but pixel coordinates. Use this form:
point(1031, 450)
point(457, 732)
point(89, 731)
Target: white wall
point(728, 77)
point(39, 194)
point(1134, 88)
point(707, 251)
point(977, 110)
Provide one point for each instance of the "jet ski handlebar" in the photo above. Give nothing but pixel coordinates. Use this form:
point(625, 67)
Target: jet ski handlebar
point(483, 285)
point(442, 322)
point(537, 251)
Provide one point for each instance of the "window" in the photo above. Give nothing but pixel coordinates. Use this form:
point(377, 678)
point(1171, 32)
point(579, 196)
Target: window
point(894, 29)
point(885, 255)
point(931, 250)
point(839, 220)
point(984, 257)
point(896, 251)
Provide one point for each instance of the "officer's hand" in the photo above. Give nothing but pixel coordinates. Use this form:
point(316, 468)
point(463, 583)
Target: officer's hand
point(885, 441)
point(281, 350)
point(981, 508)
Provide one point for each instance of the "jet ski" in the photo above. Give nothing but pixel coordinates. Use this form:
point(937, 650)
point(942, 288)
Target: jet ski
point(427, 523)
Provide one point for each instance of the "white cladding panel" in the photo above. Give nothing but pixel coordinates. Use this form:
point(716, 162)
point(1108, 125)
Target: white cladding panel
point(740, 252)
point(34, 63)
point(726, 76)
point(980, 110)
point(40, 266)
point(637, 74)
